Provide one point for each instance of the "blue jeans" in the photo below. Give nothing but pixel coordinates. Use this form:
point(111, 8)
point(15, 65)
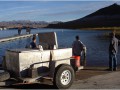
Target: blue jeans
point(112, 61)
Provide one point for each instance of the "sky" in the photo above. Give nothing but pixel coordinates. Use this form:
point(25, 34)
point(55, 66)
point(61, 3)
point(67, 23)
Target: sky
point(46, 10)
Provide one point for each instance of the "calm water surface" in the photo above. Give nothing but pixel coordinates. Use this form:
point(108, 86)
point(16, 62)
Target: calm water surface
point(97, 48)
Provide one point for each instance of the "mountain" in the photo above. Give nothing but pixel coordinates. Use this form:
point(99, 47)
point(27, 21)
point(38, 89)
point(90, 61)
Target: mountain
point(55, 22)
point(26, 23)
point(23, 23)
point(104, 17)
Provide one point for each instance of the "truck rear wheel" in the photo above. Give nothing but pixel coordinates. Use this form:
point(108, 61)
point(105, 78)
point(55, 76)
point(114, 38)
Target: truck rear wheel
point(4, 75)
point(64, 77)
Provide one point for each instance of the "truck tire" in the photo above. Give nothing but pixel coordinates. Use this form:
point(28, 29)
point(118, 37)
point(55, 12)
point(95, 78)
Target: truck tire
point(64, 77)
point(4, 75)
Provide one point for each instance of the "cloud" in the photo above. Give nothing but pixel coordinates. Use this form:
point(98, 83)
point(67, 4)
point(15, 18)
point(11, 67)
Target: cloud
point(64, 13)
point(65, 10)
point(33, 11)
point(15, 8)
point(68, 9)
point(23, 14)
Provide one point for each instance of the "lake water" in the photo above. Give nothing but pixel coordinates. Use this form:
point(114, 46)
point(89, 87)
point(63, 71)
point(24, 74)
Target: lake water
point(97, 48)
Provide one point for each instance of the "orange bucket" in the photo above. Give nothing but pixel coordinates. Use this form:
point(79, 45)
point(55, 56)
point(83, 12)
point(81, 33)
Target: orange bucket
point(77, 60)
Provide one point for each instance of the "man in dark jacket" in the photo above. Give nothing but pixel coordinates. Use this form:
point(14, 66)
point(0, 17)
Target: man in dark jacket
point(113, 49)
point(77, 47)
point(33, 43)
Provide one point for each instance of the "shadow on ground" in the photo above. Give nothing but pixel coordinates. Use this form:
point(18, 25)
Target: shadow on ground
point(31, 86)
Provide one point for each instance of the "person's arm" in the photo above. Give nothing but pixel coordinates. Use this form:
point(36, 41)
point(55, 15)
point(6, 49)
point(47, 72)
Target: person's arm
point(84, 48)
point(83, 45)
point(113, 42)
point(118, 40)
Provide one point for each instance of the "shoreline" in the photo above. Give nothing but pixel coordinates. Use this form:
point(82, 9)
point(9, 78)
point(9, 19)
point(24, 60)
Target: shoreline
point(103, 28)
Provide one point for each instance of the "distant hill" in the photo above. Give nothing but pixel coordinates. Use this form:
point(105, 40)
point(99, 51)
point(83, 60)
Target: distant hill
point(105, 17)
point(26, 23)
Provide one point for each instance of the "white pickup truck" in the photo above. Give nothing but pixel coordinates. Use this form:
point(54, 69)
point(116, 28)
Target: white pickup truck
point(30, 65)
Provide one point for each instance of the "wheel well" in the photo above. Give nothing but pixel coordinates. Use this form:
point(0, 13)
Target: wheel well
point(56, 69)
point(60, 66)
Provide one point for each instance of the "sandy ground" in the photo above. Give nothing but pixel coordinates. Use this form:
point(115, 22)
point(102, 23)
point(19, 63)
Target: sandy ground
point(89, 78)
point(106, 81)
